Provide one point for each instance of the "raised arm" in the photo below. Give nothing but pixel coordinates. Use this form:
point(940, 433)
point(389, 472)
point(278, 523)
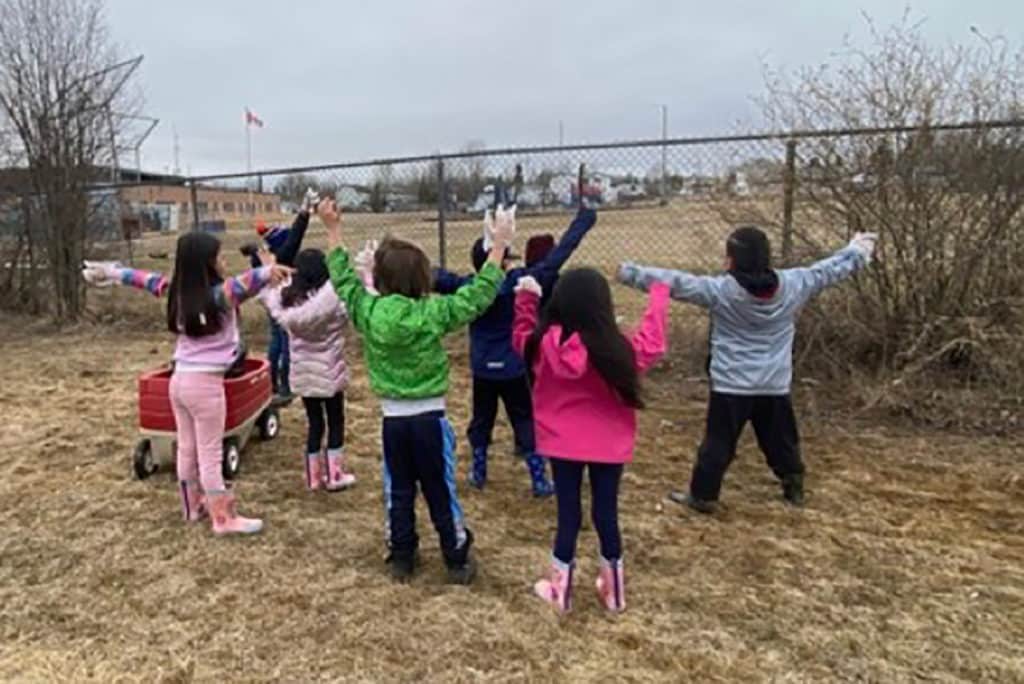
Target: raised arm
point(350, 288)
point(293, 243)
point(813, 279)
point(548, 267)
point(527, 301)
point(700, 290)
point(451, 312)
point(446, 282)
point(649, 341)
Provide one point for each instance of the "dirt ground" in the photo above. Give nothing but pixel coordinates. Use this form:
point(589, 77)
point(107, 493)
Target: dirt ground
point(906, 565)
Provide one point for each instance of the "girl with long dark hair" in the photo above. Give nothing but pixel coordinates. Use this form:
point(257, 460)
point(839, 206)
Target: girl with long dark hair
point(202, 305)
point(309, 310)
point(586, 390)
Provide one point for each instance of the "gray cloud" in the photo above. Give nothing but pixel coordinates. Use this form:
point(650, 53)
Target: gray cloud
point(350, 80)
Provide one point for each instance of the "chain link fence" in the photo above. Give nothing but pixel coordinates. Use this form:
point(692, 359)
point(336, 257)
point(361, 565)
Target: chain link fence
point(669, 202)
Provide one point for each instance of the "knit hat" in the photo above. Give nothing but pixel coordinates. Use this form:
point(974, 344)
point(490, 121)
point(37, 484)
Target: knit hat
point(538, 247)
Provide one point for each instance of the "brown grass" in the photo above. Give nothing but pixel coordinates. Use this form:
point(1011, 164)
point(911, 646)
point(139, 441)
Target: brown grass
point(906, 565)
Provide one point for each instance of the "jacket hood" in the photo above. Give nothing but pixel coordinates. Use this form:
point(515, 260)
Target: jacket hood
point(567, 359)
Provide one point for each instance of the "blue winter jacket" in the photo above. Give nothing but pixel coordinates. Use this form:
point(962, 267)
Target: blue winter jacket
point(490, 336)
point(751, 337)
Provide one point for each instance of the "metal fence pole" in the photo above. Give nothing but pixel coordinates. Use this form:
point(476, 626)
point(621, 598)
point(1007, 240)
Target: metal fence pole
point(442, 208)
point(195, 204)
point(664, 155)
point(788, 192)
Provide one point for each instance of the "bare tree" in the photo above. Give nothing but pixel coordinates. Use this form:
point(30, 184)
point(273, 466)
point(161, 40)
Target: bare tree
point(63, 94)
point(948, 204)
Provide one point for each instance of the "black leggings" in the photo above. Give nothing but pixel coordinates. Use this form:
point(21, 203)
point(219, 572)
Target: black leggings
point(334, 408)
point(604, 506)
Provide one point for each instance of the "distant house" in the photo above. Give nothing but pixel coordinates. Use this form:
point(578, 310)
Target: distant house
point(350, 197)
point(529, 196)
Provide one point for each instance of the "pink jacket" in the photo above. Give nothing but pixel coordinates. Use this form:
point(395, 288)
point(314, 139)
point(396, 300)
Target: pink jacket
point(577, 415)
point(316, 340)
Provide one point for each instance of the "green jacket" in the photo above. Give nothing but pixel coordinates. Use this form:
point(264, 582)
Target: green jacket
point(402, 336)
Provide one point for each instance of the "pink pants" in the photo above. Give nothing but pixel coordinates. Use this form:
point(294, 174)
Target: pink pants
point(199, 410)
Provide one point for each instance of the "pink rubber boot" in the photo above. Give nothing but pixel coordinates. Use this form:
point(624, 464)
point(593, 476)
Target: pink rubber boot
point(611, 585)
point(193, 503)
point(556, 588)
point(337, 478)
point(224, 515)
point(314, 472)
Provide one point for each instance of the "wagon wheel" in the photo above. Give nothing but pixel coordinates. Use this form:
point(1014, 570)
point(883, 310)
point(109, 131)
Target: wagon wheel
point(231, 462)
point(269, 424)
point(143, 462)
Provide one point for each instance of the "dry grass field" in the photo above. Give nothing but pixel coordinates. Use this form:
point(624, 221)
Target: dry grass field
point(906, 565)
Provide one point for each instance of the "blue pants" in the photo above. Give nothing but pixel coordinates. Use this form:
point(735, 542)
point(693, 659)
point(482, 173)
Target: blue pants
point(420, 451)
point(515, 394)
point(280, 359)
point(604, 506)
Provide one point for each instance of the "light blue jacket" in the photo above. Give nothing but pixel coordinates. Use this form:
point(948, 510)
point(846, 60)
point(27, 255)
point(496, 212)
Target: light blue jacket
point(751, 338)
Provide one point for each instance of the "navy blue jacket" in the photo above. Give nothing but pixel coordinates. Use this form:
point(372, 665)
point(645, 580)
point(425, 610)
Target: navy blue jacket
point(286, 247)
point(490, 336)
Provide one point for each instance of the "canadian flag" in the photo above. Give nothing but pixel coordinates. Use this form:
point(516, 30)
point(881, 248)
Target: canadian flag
point(252, 120)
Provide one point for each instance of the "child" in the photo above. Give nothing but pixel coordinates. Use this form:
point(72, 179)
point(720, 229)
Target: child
point(753, 313)
point(497, 369)
point(202, 311)
point(586, 390)
point(284, 244)
point(309, 310)
point(402, 328)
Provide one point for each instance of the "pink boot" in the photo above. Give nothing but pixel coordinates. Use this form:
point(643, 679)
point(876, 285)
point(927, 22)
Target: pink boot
point(193, 503)
point(225, 518)
point(611, 585)
point(314, 472)
point(337, 478)
point(556, 589)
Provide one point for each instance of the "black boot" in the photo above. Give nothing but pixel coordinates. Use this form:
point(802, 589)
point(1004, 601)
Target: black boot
point(403, 566)
point(700, 505)
point(461, 566)
point(793, 489)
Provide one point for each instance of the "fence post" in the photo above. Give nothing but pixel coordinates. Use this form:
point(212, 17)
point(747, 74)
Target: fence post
point(442, 208)
point(788, 192)
point(195, 204)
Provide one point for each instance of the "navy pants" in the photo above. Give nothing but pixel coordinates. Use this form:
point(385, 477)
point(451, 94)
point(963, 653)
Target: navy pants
point(604, 506)
point(419, 452)
point(331, 408)
point(515, 395)
point(280, 359)
point(775, 428)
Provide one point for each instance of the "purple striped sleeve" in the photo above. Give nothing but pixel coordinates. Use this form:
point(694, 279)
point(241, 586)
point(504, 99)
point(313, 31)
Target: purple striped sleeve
point(233, 291)
point(154, 283)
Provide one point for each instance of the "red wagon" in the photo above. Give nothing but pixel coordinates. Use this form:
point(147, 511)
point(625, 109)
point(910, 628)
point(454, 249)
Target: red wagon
point(248, 408)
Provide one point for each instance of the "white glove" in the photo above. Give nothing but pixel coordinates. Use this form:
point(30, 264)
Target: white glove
point(864, 243)
point(310, 200)
point(364, 263)
point(529, 284)
point(502, 223)
point(101, 273)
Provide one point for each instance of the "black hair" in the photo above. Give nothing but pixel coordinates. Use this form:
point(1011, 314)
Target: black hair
point(190, 304)
point(750, 250)
point(479, 255)
point(310, 275)
point(582, 303)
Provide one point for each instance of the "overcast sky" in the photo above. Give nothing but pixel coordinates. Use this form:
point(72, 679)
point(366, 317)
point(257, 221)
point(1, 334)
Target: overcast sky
point(345, 80)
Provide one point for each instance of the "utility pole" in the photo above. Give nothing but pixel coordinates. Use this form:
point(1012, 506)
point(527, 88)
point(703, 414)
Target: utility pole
point(561, 133)
point(177, 152)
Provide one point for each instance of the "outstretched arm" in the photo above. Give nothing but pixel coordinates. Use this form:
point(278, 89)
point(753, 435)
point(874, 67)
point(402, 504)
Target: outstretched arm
point(649, 341)
point(700, 290)
point(107, 273)
point(466, 304)
point(546, 270)
point(838, 267)
point(237, 289)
